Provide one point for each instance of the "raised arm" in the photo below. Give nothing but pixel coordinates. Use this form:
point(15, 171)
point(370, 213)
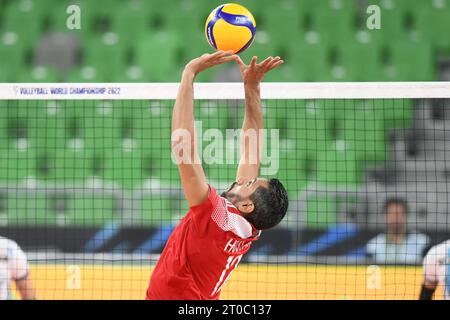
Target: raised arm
point(252, 75)
point(184, 145)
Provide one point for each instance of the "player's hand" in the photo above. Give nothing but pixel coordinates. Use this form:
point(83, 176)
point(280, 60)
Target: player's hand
point(207, 61)
point(254, 72)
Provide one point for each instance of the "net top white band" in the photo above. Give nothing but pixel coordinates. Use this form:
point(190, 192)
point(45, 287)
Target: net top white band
point(224, 91)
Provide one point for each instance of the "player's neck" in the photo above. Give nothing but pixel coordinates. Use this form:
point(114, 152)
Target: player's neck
point(396, 237)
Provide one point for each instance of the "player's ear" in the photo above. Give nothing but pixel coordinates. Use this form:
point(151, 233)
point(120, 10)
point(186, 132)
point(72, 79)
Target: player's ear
point(245, 206)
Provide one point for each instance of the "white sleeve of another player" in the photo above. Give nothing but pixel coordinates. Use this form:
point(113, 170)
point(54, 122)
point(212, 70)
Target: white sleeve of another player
point(431, 264)
point(17, 261)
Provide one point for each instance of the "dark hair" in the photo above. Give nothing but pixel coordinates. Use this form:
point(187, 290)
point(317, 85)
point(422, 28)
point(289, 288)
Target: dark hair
point(271, 205)
point(396, 201)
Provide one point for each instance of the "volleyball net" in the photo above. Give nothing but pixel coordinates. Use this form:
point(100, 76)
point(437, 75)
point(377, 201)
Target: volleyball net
point(89, 190)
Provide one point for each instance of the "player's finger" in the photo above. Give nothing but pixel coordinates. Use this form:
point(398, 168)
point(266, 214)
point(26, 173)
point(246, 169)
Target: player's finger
point(253, 62)
point(266, 62)
point(216, 54)
point(220, 56)
point(225, 59)
point(275, 60)
point(272, 62)
point(276, 64)
point(271, 66)
point(239, 61)
point(267, 65)
point(229, 58)
point(225, 54)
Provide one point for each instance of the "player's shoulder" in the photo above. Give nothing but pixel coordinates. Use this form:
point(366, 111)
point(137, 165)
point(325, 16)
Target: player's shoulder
point(446, 244)
point(213, 195)
point(439, 250)
point(8, 241)
point(378, 240)
point(209, 203)
point(417, 237)
point(8, 247)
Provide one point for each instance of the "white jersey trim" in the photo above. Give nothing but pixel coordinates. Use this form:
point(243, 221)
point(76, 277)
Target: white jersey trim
point(231, 221)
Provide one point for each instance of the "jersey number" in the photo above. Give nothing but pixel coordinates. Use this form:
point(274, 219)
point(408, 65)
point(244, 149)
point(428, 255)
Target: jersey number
point(232, 263)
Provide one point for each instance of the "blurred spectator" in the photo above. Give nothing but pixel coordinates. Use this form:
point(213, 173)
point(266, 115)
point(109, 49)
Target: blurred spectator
point(397, 245)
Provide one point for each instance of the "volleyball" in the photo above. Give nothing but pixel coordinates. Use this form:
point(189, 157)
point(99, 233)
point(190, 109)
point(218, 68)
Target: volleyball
point(230, 27)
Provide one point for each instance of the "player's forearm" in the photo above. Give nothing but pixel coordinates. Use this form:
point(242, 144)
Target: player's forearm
point(183, 111)
point(253, 113)
point(253, 120)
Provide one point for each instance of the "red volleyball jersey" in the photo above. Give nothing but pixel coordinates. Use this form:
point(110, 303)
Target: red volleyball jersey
point(202, 252)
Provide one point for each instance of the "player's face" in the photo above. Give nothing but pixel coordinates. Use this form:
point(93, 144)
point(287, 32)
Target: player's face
point(396, 217)
point(244, 189)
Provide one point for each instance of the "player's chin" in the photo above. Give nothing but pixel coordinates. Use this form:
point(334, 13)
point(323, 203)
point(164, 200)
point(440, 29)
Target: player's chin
point(227, 196)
